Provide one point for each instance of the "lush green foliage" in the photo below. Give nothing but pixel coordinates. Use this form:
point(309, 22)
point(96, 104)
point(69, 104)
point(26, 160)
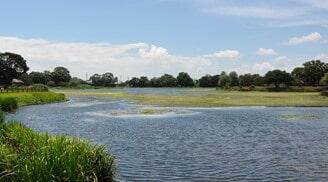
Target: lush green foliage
point(28, 156)
point(8, 104)
point(31, 98)
point(11, 66)
point(278, 77)
point(184, 80)
point(224, 80)
point(106, 79)
point(2, 116)
point(209, 81)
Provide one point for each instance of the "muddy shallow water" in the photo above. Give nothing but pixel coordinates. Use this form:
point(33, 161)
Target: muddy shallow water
point(201, 144)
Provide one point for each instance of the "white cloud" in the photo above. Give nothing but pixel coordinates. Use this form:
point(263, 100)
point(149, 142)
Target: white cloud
point(313, 37)
point(227, 54)
point(123, 60)
point(265, 52)
point(153, 52)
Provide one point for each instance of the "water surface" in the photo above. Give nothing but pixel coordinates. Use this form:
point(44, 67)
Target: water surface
point(217, 144)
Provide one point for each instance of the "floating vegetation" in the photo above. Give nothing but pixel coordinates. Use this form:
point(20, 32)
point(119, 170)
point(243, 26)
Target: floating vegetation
point(298, 116)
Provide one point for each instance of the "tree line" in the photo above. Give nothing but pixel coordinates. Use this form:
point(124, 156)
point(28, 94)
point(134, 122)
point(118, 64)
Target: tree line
point(312, 73)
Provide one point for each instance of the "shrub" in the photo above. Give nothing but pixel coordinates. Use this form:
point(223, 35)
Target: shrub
point(2, 117)
point(324, 93)
point(39, 87)
point(51, 84)
point(8, 104)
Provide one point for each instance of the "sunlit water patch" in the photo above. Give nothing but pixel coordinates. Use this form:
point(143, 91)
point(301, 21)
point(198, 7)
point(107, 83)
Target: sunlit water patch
point(199, 144)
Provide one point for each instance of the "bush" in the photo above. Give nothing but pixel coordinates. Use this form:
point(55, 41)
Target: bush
point(324, 93)
point(8, 104)
point(2, 117)
point(39, 87)
point(51, 84)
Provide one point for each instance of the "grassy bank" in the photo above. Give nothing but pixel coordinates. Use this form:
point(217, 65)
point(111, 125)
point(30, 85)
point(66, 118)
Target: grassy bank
point(33, 98)
point(219, 98)
point(29, 156)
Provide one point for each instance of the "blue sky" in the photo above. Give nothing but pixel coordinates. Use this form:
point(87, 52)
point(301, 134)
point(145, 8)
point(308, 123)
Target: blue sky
point(152, 37)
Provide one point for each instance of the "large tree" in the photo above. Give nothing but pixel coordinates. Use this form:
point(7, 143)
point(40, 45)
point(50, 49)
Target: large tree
point(246, 80)
point(167, 81)
point(278, 77)
point(12, 66)
point(224, 80)
point(314, 71)
point(298, 75)
point(184, 80)
point(37, 77)
point(60, 75)
point(209, 81)
point(234, 80)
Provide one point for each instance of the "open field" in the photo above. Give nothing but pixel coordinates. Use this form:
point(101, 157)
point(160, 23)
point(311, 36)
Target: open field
point(212, 98)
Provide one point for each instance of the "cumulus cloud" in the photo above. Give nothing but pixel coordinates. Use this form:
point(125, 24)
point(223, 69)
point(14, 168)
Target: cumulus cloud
point(280, 62)
point(124, 60)
point(313, 37)
point(265, 52)
point(227, 54)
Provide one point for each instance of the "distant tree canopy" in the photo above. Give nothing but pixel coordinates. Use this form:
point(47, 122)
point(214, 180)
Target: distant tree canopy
point(12, 66)
point(313, 71)
point(278, 77)
point(224, 80)
point(60, 75)
point(209, 81)
point(38, 77)
point(106, 79)
point(184, 80)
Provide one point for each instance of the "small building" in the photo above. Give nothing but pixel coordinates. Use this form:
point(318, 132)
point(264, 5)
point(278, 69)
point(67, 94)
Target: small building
point(17, 82)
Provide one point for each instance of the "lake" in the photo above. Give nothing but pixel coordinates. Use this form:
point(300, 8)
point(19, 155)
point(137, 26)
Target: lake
point(199, 144)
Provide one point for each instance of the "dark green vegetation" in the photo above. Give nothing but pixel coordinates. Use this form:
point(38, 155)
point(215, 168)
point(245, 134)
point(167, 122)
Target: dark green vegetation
point(11, 100)
point(310, 74)
point(29, 156)
point(11, 66)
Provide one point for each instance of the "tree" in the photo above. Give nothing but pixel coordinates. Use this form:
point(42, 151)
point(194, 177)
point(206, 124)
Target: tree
point(324, 80)
point(209, 81)
point(234, 78)
point(224, 80)
point(108, 79)
point(143, 81)
point(12, 66)
point(60, 75)
point(37, 77)
point(184, 80)
point(134, 82)
point(96, 80)
point(298, 75)
point(277, 77)
point(313, 71)
point(167, 81)
point(246, 80)
point(258, 80)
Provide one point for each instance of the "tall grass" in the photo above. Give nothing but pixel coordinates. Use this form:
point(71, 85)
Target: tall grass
point(29, 156)
point(8, 104)
point(31, 98)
